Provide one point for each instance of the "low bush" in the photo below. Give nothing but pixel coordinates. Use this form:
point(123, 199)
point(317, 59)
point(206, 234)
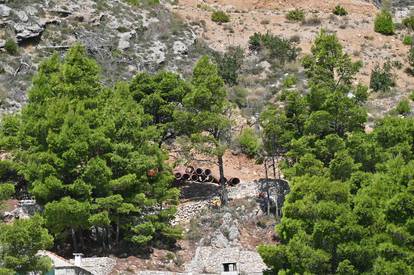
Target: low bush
point(340, 11)
point(143, 2)
point(220, 17)
point(249, 142)
point(403, 107)
point(383, 23)
point(409, 22)
point(283, 50)
point(238, 95)
point(295, 15)
point(408, 40)
point(411, 59)
point(255, 42)
point(290, 81)
point(397, 64)
point(312, 21)
point(382, 79)
point(11, 47)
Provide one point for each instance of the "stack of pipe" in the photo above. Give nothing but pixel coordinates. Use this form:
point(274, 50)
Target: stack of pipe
point(198, 174)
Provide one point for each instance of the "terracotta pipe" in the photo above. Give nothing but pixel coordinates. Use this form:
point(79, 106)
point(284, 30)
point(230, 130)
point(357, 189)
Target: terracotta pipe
point(178, 175)
point(207, 172)
point(194, 177)
point(185, 176)
point(189, 169)
point(199, 171)
point(234, 181)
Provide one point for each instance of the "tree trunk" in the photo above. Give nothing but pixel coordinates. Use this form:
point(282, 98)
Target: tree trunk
point(117, 231)
point(223, 190)
point(82, 241)
point(75, 242)
point(277, 207)
point(274, 166)
point(102, 237)
point(267, 189)
point(108, 236)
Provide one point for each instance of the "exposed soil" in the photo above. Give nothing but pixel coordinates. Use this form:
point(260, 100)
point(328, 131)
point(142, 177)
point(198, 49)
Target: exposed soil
point(355, 31)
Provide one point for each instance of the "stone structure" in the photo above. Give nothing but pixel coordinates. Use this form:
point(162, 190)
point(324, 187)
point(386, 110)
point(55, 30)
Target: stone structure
point(85, 266)
point(212, 260)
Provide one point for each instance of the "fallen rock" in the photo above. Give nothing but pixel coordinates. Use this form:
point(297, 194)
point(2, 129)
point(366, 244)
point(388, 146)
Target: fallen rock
point(234, 233)
point(27, 30)
point(227, 218)
point(30, 10)
point(4, 11)
point(157, 54)
point(180, 48)
point(124, 38)
point(219, 240)
point(22, 16)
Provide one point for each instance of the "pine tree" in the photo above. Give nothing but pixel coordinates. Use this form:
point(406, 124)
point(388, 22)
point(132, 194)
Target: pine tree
point(20, 242)
point(205, 116)
point(87, 152)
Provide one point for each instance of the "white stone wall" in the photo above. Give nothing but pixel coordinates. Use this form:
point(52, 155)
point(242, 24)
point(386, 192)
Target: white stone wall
point(210, 260)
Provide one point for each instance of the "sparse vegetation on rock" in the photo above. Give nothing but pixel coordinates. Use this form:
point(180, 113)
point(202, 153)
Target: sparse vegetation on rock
point(411, 59)
point(143, 2)
point(408, 22)
point(11, 47)
point(403, 107)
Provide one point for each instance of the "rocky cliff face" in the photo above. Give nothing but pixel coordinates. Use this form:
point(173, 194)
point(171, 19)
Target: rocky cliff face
point(124, 39)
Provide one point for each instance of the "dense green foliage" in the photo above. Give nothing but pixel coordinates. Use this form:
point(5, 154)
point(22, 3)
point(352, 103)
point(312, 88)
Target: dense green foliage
point(383, 23)
point(352, 193)
point(229, 64)
point(249, 142)
point(277, 48)
point(220, 17)
point(90, 156)
point(296, 15)
point(204, 117)
point(340, 11)
point(159, 94)
point(382, 79)
point(20, 242)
